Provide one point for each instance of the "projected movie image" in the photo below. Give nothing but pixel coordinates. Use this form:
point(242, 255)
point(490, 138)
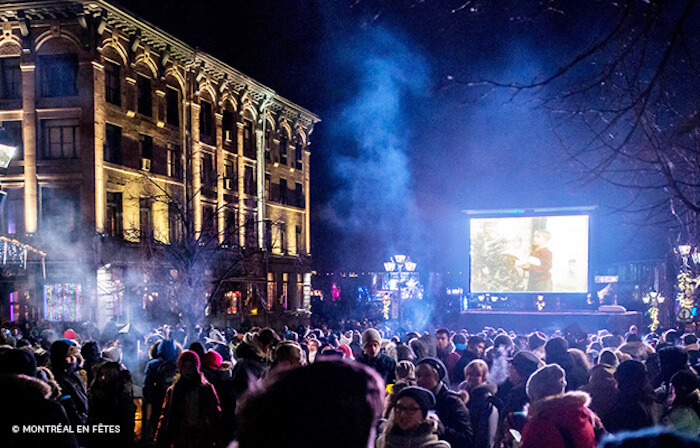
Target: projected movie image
point(529, 254)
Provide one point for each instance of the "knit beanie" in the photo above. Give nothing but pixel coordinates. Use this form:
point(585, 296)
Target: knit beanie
point(684, 382)
point(435, 364)
point(424, 398)
point(555, 348)
point(212, 360)
point(370, 335)
point(546, 381)
point(70, 334)
point(608, 356)
point(114, 354)
point(188, 355)
point(405, 370)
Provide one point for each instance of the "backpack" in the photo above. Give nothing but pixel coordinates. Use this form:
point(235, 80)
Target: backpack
point(165, 376)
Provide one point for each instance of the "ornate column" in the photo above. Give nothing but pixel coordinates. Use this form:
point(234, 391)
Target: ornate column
point(29, 138)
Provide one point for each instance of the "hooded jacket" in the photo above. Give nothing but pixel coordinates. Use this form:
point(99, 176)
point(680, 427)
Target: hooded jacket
point(74, 393)
point(252, 362)
point(602, 387)
point(562, 421)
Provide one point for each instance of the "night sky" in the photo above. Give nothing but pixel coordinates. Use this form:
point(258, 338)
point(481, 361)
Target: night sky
point(403, 149)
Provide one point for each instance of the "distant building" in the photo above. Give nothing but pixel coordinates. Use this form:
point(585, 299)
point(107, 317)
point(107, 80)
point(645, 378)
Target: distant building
point(108, 111)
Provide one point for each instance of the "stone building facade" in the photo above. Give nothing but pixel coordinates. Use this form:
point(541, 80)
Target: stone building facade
point(111, 115)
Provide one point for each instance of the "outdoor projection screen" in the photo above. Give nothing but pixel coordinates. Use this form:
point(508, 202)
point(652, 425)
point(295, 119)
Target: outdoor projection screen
point(538, 254)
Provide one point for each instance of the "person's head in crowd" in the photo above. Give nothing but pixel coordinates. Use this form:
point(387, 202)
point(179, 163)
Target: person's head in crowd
point(611, 341)
point(198, 348)
point(475, 373)
point(345, 350)
point(632, 378)
point(70, 334)
point(632, 337)
point(522, 365)
point(64, 357)
point(336, 404)
point(459, 341)
point(90, 351)
point(412, 406)
point(442, 339)
point(188, 366)
point(287, 355)
point(267, 338)
point(211, 360)
point(672, 337)
point(405, 370)
point(672, 360)
point(546, 381)
point(656, 437)
point(430, 372)
point(371, 342)
point(476, 345)
point(685, 385)
point(18, 361)
point(503, 344)
point(580, 359)
point(405, 353)
point(608, 356)
point(107, 378)
point(633, 329)
point(690, 340)
point(430, 343)
point(555, 349)
point(420, 349)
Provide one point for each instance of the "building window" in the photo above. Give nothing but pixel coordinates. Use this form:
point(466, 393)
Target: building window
point(283, 191)
point(174, 224)
point(210, 223)
point(207, 173)
point(270, 290)
point(298, 162)
point(249, 181)
point(283, 238)
point(297, 239)
point(13, 132)
point(230, 178)
point(60, 139)
point(172, 106)
point(13, 215)
point(146, 146)
point(268, 234)
point(145, 218)
point(231, 230)
point(114, 223)
point(59, 75)
point(267, 186)
point(268, 144)
point(11, 83)
point(248, 140)
point(298, 196)
point(113, 144)
point(174, 162)
point(284, 146)
point(113, 90)
point(60, 209)
point(285, 286)
point(251, 238)
point(228, 128)
point(206, 122)
point(145, 100)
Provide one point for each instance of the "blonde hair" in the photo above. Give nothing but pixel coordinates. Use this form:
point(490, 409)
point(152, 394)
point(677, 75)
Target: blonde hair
point(478, 365)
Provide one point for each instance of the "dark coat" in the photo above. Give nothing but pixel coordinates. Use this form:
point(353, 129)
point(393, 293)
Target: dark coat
point(629, 413)
point(26, 404)
point(458, 373)
point(383, 364)
point(484, 415)
point(455, 423)
point(112, 408)
point(73, 396)
point(250, 366)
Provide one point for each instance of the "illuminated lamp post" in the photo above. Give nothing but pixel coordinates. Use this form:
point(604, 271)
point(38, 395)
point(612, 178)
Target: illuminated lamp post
point(400, 272)
point(653, 300)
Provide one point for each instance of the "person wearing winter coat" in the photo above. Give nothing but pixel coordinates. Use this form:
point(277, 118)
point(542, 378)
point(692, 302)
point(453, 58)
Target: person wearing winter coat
point(64, 365)
point(602, 387)
point(682, 414)
point(455, 423)
point(159, 376)
point(557, 352)
point(191, 415)
point(409, 425)
point(556, 419)
point(252, 355)
point(484, 414)
point(373, 357)
point(633, 408)
point(111, 403)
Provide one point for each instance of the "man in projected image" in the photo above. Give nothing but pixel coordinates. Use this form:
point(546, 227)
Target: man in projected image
point(539, 264)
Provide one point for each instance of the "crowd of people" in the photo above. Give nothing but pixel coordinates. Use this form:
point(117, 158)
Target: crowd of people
point(210, 387)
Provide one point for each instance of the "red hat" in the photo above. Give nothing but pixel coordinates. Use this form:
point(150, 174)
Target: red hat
point(345, 349)
point(212, 360)
point(188, 356)
point(70, 334)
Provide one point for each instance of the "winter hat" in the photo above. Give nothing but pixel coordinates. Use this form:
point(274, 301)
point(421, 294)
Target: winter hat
point(684, 382)
point(536, 340)
point(61, 349)
point(18, 361)
point(424, 398)
point(113, 354)
point(608, 356)
point(405, 370)
point(90, 351)
point(188, 355)
point(525, 363)
point(545, 382)
point(212, 360)
point(70, 334)
point(555, 348)
point(371, 335)
point(345, 350)
point(435, 364)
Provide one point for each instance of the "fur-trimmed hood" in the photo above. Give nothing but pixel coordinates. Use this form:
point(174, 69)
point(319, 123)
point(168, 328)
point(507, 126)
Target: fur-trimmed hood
point(23, 387)
point(555, 404)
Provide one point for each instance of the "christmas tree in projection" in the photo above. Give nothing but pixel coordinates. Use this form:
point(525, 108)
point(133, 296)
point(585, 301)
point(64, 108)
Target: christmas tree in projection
point(492, 266)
